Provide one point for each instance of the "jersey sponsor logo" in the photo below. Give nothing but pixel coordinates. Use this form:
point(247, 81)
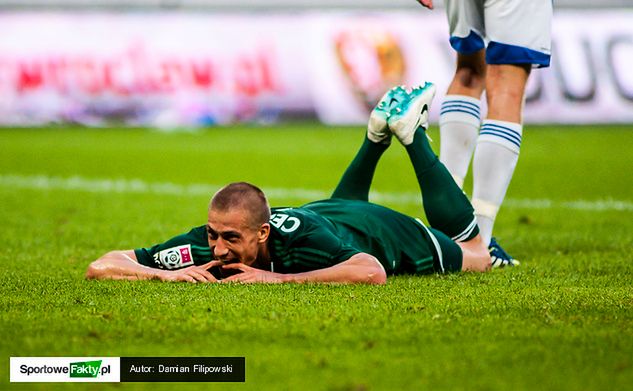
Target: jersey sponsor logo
point(174, 257)
point(284, 222)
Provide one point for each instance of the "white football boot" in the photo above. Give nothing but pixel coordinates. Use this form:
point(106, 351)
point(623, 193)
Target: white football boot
point(411, 112)
point(377, 128)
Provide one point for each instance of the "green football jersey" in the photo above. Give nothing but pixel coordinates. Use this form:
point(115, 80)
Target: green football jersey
point(325, 233)
point(401, 243)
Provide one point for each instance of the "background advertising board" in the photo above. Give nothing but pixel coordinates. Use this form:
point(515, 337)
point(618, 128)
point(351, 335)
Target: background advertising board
point(185, 69)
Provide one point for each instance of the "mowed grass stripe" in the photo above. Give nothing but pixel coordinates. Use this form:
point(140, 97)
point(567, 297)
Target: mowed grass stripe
point(139, 186)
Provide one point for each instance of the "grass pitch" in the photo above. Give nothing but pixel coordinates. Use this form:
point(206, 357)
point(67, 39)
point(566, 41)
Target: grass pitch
point(563, 320)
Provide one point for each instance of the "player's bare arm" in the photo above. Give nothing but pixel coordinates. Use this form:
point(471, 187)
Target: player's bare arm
point(361, 268)
point(122, 265)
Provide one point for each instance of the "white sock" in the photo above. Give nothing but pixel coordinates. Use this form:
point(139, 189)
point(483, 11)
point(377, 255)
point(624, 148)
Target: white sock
point(459, 125)
point(496, 156)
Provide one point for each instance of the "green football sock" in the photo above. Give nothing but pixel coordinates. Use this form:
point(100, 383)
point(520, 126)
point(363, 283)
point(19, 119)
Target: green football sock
point(447, 208)
point(355, 182)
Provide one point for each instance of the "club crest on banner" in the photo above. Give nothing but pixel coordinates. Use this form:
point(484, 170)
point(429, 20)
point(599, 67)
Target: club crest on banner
point(372, 61)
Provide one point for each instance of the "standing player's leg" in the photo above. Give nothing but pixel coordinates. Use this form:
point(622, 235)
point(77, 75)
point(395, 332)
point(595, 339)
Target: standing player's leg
point(499, 142)
point(357, 178)
point(519, 37)
point(460, 115)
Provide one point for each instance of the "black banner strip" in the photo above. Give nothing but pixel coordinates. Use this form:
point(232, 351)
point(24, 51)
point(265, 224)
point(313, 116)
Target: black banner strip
point(183, 369)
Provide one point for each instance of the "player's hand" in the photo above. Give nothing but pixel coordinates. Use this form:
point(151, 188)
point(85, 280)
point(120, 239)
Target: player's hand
point(427, 3)
point(193, 274)
point(250, 275)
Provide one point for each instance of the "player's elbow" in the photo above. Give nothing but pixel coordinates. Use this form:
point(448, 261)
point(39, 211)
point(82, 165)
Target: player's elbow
point(373, 271)
point(377, 276)
point(96, 270)
point(100, 268)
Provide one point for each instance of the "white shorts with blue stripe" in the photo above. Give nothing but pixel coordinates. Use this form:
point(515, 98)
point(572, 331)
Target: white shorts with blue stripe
point(512, 31)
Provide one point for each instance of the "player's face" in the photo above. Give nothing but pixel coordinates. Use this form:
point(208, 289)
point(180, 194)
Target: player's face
point(231, 238)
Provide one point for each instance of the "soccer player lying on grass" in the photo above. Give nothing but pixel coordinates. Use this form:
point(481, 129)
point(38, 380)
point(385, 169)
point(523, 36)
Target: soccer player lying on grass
point(344, 239)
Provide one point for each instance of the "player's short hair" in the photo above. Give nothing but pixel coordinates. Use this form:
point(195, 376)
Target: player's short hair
point(243, 195)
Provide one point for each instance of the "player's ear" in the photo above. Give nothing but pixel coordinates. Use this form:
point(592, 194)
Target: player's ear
point(262, 234)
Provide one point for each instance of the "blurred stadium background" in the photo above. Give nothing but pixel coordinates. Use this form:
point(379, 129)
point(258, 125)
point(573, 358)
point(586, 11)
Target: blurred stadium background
point(170, 63)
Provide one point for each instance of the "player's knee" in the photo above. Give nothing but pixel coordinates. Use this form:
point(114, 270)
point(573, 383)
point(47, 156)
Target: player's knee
point(478, 263)
point(475, 256)
point(485, 263)
point(482, 259)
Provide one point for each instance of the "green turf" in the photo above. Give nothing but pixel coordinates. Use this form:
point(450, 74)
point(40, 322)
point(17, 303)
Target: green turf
point(563, 320)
